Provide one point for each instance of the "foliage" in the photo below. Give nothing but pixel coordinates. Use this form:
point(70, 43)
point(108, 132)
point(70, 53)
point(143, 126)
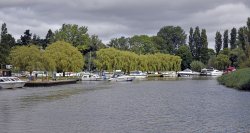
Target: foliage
point(26, 38)
point(28, 58)
point(71, 33)
point(186, 56)
point(142, 44)
point(197, 44)
point(191, 41)
point(174, 37)
point(197, 66)
point(204, 55)
point(121, 43)
point(65, 56)
point(225, 39)
point(211, 61)
point(159, 44)
point(233, 35)
point(218, 42)
point(237, 57)
point(6, 42)
point(112, 59)
point(50, 38)
point(239, 79)
point(221, 61)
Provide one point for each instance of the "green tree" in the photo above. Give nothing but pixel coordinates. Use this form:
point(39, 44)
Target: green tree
point(197, 66)
point(222, 61)
point(6, 42)
point(121, 43)
point(77, 36)
point(237, 57)
point(159, 44)
point(112, 59)
point(27, 58)
point(218, 42)
point(233, 35)
point(241, 38)
point(66, 57)
point(186, 56)
point(26, 38)
point(142, 44)
point(191, 41)
point(225, 39)
point(49, 38)
point(174, 37)
point(204, 47)
point(95, 44)
point(197, 44)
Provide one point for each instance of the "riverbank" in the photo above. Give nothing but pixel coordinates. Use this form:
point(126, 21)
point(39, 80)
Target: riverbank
point(239, 79)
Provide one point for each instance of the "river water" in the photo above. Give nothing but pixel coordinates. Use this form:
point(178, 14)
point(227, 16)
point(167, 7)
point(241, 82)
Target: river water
point(148, 106)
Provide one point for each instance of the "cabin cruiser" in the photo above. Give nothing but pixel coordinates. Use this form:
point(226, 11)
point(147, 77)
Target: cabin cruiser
point(211, 72)
point(138, 74)
point(169, 74)
point(91, 77)
point(187, 72)
point(11, 82)
point(121, 78)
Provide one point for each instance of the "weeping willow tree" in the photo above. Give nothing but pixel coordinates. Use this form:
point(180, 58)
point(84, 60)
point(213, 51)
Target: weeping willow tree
point(112, 59)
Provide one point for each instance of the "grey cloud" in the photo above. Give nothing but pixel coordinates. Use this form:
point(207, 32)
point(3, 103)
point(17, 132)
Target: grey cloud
point(114, 18)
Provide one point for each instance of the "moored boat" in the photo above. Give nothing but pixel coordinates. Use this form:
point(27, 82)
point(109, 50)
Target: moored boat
point(138, 74)
point(187, 72)
point(169, 74)
point(121, 78)
point(11, 82)
point(91, 77)
point(210, 72)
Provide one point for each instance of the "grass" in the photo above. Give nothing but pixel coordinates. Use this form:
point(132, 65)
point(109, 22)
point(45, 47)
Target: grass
point(239, 79)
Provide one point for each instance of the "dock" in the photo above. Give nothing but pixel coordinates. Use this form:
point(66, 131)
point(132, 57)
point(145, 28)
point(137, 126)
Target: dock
point(49, 83)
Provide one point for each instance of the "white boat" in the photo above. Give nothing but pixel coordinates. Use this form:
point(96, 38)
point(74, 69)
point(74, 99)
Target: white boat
point(91, 77)
point(121, 78)
point(11, 82)
point(211, 72)
point(169, 74)
point(187, 72)
point(138, 74)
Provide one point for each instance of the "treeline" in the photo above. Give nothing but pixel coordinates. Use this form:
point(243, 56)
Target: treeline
point(233, 51)
point(230, 48)
point(70, 33)
point(113, 59)
point(59, 56)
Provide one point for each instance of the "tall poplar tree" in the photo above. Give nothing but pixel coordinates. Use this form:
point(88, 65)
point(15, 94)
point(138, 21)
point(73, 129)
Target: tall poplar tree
point(191, 41)
point(233, 35)
point(6, 42)
point(218, 42)
point(204, 47)
point(225, 39)
point(197, 44)
point(241, 37)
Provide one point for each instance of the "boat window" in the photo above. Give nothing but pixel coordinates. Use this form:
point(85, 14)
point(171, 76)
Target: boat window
point(1, 80)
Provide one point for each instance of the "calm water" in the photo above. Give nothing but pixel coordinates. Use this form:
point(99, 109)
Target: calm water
point(152, 106)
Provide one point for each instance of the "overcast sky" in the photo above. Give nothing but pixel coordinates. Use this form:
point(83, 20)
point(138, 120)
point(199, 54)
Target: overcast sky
point(115, 18)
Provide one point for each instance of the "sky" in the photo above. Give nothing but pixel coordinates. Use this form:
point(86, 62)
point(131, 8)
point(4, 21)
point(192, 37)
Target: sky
point(115, 18)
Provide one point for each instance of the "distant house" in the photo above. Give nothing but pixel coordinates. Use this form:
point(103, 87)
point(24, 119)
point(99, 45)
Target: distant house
point(5, 70)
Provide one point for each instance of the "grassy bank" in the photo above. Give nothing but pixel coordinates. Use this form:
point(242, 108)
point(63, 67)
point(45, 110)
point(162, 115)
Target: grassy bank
point(239, 79)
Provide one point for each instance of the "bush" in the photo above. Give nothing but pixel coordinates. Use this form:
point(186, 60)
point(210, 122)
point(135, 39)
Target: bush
point(239, 79)
point(197, 66)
